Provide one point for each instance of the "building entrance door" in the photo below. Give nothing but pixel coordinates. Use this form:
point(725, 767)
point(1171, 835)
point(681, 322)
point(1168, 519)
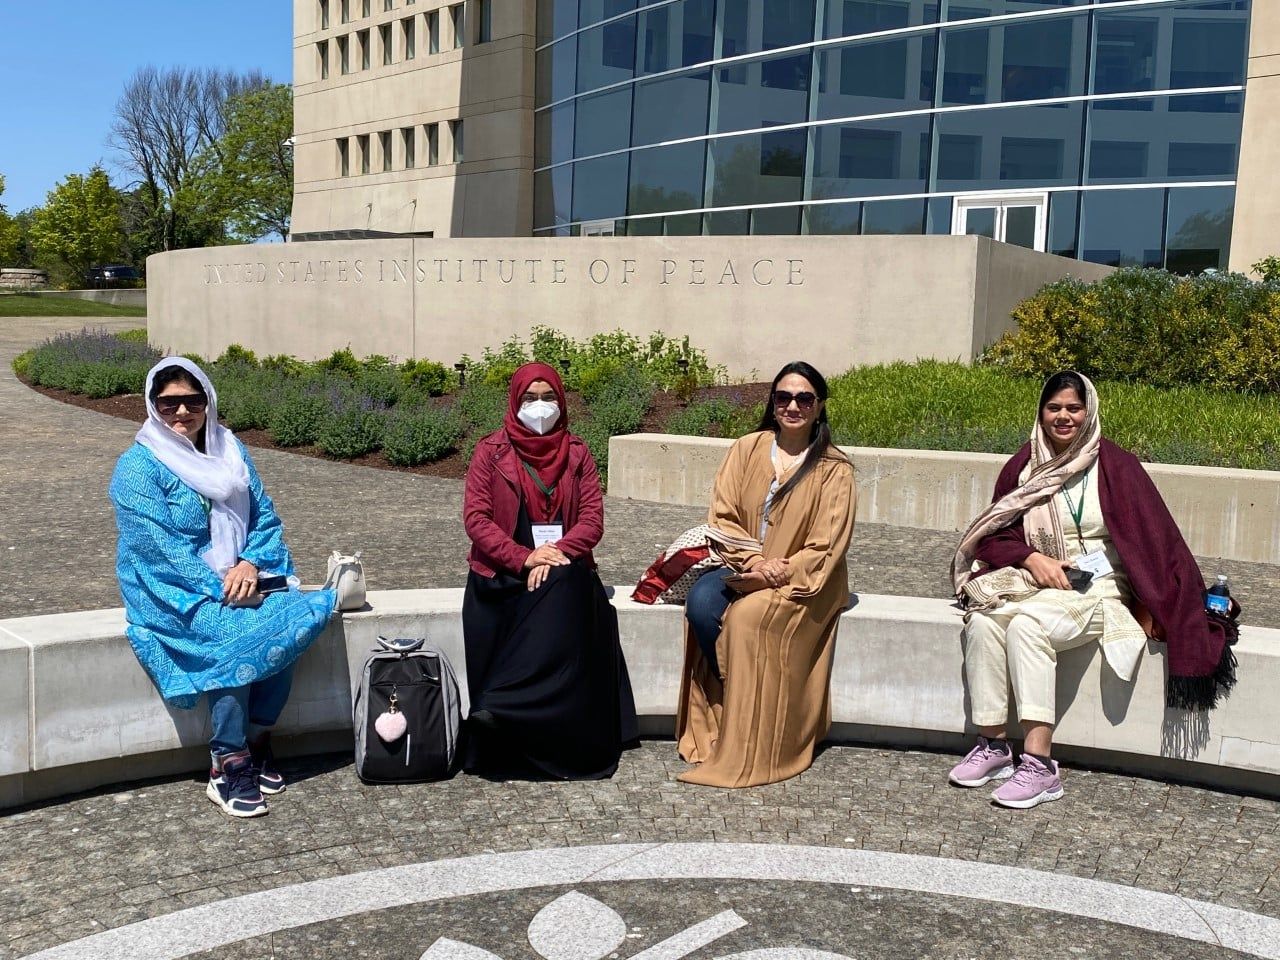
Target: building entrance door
point(1019, 220)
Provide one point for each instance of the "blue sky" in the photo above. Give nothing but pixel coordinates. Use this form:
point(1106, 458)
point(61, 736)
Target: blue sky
point(63, 65)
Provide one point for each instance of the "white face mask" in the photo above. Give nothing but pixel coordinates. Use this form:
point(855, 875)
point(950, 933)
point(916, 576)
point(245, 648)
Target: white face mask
point(540, 415)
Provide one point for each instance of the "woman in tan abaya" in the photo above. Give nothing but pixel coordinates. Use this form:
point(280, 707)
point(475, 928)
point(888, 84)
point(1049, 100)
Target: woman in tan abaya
point(754, 697)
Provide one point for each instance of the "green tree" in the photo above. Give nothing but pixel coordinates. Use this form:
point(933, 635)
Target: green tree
point(78, 226)
point(248, 172)
point(10, 233)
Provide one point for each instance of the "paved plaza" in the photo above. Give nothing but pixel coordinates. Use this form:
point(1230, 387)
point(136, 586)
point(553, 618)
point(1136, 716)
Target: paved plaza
point(867, 855)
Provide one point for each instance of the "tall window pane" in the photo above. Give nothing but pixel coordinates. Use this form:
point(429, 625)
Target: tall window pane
point(1036, 60)
point(603, 123)
point(600, 188)
point(1064, 212)
point(883, 76)
point(1198, 235)
point(760, 168)
point(852, 18)
point(675, 35)
point(770, 92)
point(865, 159)
point(671, 108)
point(552, 197)
point(666, 178)
point(606, 54)
point(1009, 147)
point(1121, 228)
point(555, 71)
point(1191, 137)
point(554, 134)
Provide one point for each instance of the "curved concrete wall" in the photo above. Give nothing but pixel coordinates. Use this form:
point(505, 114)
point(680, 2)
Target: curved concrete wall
point(76, 710)
point(1233, 514)
point(865, 299)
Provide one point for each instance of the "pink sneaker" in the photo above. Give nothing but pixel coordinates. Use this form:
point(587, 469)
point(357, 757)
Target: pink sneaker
point(1032, 784)
point(982, 764)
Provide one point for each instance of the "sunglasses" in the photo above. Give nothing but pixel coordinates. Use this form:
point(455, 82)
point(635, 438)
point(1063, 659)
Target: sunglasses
point(804, 400)
point(194, 402)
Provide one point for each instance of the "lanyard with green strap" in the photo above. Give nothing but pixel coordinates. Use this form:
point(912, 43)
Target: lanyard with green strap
point(548, 492)
point(1077, 513)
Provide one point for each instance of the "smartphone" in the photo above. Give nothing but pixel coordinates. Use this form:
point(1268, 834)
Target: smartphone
point(1079, 579)
point(273, 584)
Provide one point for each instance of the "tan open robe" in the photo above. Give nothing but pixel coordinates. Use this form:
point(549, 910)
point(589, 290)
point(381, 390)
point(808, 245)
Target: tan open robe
point(763, 721)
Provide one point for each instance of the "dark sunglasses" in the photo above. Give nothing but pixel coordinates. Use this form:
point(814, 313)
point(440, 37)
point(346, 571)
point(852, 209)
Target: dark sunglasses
point(194, 402)
point(804, 400)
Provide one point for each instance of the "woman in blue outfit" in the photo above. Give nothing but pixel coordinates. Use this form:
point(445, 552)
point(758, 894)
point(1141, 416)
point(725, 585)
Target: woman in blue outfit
point(196, 532)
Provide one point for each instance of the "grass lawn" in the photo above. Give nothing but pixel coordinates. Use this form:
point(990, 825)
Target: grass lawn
point(25, 305)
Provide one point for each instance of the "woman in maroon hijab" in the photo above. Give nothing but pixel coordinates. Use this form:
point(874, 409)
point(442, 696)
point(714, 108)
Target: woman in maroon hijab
point(550, 696)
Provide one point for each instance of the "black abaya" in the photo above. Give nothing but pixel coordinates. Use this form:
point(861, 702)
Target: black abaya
point(548, 667)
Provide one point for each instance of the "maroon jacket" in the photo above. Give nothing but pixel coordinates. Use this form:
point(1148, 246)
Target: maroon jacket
point(1164, 576)
point(491, 506)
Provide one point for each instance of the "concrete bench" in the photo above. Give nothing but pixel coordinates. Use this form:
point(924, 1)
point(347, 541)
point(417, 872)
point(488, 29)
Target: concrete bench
point(76, 710)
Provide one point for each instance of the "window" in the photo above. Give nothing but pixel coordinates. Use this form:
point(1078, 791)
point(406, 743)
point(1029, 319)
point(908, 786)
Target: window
point(433, 31)
point(408, 139)
point(408, 27)
point(869, 154)
point(1117, 160)
point(344, 54)
point(324, 14)
point(346, 11)
point(363, 39)
point(363, 142)
point(433, 143)
point(388, 50)
point(384, 147)
point(344, 158)
point(388, 4)
point(455, 131)
point(365, 7)
point(484, 28)
point(322, 55)
point(458, 21)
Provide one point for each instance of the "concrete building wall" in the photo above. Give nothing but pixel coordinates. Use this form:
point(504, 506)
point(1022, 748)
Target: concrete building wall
point(1257, 189)
point(753, 303)
point(488, 87)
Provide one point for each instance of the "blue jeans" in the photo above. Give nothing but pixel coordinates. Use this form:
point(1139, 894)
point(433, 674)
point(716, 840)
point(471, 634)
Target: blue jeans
point(237, 713)
point(704, 608)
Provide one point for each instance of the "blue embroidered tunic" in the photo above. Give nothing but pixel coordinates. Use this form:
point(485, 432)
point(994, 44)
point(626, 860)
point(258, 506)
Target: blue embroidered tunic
point(183, 636)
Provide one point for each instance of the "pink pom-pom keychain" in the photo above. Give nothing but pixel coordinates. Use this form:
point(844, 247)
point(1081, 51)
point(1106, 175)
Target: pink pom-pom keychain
point(391, 724)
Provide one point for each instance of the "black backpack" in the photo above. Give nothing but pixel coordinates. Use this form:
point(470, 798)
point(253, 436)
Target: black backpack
point(417, 682)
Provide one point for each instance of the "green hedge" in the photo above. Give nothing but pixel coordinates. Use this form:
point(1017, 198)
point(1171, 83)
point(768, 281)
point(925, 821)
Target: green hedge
point(1148, 326)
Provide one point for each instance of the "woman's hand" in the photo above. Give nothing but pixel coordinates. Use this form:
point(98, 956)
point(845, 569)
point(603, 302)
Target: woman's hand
point(240, 583)
point(546, 555)
point(775, 572)
point(1047, 572)
point(538, 576)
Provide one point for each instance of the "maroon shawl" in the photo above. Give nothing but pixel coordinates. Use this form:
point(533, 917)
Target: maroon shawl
point(547, 454)
point(1162, 573)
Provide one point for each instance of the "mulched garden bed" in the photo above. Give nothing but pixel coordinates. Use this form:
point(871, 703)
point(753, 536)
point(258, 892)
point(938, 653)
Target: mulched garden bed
point(665, 404)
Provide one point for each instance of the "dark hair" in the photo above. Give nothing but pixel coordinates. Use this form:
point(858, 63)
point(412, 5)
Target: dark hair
point(173, 374)
point(819, 438)
point(1063, 380)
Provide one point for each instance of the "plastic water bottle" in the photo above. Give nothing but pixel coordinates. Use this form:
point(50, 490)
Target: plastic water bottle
point(1218, 599)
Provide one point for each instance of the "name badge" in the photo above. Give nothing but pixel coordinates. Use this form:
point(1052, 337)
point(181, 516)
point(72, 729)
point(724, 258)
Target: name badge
point(1095, 562)
point(544, 533)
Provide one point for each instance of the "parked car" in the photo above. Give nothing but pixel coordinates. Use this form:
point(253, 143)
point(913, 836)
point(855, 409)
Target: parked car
point(113, 275)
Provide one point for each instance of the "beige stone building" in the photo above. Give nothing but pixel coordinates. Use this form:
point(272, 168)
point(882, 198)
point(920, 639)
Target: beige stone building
point(1138, 132)
point(413, 118)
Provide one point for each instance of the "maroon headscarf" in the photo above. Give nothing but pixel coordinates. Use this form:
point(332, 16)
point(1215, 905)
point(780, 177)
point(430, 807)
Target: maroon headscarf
point(548, 454)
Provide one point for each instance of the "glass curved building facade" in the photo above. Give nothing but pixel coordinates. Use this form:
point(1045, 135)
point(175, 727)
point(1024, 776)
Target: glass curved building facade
point(1106, 131)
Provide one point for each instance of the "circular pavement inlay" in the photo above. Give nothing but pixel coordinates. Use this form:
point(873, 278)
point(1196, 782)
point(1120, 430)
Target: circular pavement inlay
point(697, 900)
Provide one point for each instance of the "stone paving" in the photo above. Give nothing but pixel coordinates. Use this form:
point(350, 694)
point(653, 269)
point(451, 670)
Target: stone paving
point(75, 867)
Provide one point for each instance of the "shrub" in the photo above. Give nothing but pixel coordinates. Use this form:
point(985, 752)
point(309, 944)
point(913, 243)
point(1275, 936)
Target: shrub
point(428, 376)
point(296, 419)
point(70, 360)
point(134, 336)
point(342, 362)
point(1216, 330)
point(238, 355)
point(381, 383)
point(352, 429)
point(22, 363)
point(1268, 268)
point(285, 365)
point(596, 436)
point(712, 418)
point(420, 434)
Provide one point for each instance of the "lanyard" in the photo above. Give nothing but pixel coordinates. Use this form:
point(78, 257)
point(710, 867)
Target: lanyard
point(1077, 514)
point(548, 492)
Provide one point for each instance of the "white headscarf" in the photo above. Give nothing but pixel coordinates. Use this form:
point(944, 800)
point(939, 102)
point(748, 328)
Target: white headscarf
point(219, 474)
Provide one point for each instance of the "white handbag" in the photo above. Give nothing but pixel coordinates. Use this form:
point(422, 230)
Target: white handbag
point(346, 577)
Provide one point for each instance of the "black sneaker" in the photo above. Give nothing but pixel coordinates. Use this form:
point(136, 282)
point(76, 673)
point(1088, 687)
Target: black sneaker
point(233, 786)
point(270, 779)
